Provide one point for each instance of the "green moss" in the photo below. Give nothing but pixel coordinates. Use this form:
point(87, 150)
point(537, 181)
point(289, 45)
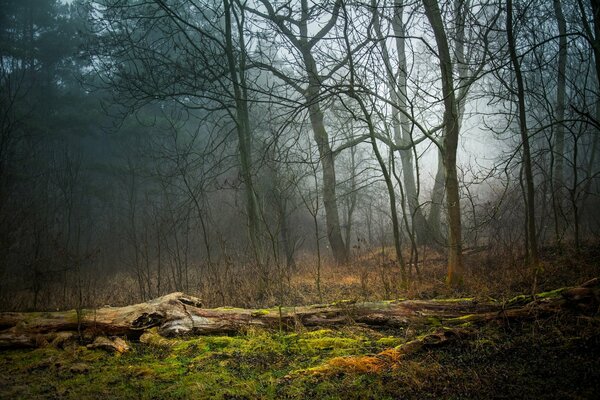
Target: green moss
point(231, 309)
point(389, 341)
point(330, 343)
point(434, 321)
point(343, 302)
point(519, 300)
point(319, 333)
point(216, 343)
point(463, 319)
point(457, 300)
point(259, 313)
point(394, 301)
point(524, 299)
point(552, 294)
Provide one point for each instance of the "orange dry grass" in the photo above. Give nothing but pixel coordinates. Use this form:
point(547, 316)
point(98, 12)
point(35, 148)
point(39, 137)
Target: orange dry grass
point(360, 364)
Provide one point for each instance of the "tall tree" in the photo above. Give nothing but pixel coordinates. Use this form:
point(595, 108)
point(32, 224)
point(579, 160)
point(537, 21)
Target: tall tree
point(397, 80)
point(450, 142)
point(295, 29)
point(522, 117)
point(559, 138)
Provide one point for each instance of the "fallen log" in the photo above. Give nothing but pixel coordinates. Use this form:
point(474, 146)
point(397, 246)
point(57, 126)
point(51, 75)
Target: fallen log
point(179, 314)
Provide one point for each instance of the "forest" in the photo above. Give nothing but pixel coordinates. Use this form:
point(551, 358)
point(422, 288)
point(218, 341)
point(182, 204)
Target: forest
point(241, 199)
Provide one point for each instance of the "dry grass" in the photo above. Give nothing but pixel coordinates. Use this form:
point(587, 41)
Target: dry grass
point(371, 275)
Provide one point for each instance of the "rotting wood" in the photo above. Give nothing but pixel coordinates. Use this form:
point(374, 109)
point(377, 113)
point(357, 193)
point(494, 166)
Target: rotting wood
point(179, 314)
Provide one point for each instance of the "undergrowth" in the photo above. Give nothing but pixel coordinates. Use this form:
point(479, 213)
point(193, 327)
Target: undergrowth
point(552, 358)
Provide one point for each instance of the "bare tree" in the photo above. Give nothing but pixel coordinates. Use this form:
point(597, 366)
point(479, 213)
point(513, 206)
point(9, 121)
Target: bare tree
point(450, 142)
point(397, 80)
point(522, 116)
point(559, 139)
point(294, 26)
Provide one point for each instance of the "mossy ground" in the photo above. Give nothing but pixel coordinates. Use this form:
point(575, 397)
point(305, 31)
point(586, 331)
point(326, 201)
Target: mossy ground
point(552, 358)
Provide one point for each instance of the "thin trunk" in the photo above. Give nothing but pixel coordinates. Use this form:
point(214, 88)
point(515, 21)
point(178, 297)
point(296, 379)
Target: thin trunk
point(242, 120)
point(284, 229)
point(403, 132)
point(390, 188)
point(460, 10)
point(369, 220)
point(201, 217)
point(311, 93)
point(595, 41)
point(393, 210)
point(434, 219)
point(531, 229)
point(132, 218)
point(591, 162)
point(317, 238)
point(573, 192)
point(382, 164)
point(559, 138)
point(288, 248)
point(158, 256)
point(350, 201)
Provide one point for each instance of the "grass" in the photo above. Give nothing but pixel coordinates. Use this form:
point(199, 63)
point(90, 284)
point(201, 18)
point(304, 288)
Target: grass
point(245, 366)
point(552, 358)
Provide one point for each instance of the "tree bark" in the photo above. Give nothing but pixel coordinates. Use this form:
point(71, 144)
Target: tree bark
point(321, 137)
point(434, 219)
point(450, 144)
point(332, 219)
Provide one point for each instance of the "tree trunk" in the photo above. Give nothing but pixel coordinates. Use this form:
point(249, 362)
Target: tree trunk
point(392, 196)
point(402, 126)
point(237, 71)
point(594, 39)
point(434, 219)
point(559, 138)
point(334, 232)
point(351, 200)
point(450, 144)
point(530, 193)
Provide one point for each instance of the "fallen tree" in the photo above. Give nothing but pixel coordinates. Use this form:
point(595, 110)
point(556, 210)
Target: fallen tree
point(178, 314)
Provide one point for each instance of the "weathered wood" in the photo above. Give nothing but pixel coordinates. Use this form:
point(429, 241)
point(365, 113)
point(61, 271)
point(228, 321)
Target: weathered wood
point(117, 345)
point(179, 314)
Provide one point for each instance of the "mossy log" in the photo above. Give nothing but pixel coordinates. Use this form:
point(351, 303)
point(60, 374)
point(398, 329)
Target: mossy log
point(179, 314)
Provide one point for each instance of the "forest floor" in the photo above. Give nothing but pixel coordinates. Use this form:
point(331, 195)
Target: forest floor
point(543, 356)
point(554, 358)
